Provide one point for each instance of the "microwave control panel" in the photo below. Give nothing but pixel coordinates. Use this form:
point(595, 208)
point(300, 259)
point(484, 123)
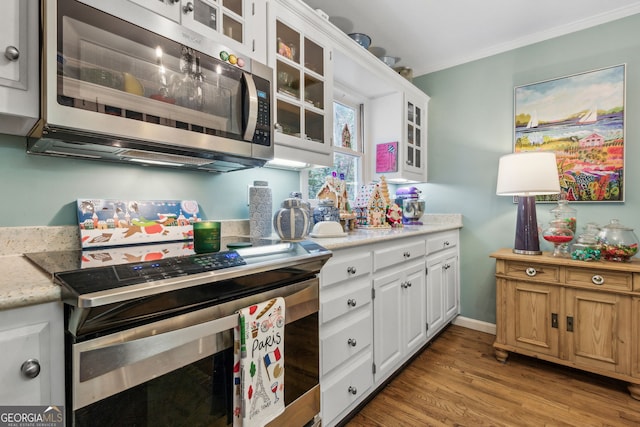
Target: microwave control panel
point(262, 135)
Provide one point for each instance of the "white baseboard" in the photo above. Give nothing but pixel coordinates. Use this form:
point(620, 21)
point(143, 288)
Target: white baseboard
point(477, 325)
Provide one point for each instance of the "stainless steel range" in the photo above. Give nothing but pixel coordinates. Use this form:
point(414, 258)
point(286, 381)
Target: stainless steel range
point(149, 342)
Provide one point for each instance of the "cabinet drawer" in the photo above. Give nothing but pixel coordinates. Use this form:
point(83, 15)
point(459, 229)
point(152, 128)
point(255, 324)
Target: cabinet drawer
point(338, 396)
point(398, 254)
point(602, 279)
point(441, 241)
point(344, 343)
point(342, 267)
point(351, 297)
point(529, 271)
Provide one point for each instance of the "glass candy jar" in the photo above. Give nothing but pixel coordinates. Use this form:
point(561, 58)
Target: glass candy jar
point(619, 243)
point(565, 212)
point(560, 235)
point(587, 247)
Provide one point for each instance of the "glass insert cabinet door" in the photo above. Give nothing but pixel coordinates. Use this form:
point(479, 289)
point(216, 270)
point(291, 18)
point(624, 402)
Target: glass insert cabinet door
point(204, 16)
point(300, 88)
point(414, 136)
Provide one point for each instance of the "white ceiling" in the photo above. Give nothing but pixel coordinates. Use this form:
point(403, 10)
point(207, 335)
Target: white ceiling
point(430, 35)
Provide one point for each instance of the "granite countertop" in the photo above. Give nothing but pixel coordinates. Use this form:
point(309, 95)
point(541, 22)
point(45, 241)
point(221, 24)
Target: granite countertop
point(22, 283)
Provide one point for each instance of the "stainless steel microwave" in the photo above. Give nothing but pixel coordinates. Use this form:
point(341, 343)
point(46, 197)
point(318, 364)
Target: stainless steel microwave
point(123, 83)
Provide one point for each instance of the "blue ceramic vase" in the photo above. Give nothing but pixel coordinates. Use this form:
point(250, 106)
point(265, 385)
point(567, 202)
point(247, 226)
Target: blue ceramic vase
point(291, 222)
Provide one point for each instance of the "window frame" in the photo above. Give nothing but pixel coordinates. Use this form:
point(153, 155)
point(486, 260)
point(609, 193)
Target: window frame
point(350, 99)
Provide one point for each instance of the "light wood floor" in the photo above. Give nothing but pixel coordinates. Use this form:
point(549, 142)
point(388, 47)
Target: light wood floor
point(457, 382)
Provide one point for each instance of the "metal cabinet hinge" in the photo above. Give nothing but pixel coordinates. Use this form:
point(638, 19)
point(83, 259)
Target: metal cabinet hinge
point(427, 327)
point(426, 271)
point(373, 293)
point(554, 320)
point(373, 368)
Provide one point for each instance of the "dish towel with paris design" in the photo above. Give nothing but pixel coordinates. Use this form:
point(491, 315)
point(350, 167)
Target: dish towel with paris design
point(258, 371)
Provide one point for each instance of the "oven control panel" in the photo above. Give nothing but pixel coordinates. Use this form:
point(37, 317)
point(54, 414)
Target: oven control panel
point(179, 266)
point(109, 277)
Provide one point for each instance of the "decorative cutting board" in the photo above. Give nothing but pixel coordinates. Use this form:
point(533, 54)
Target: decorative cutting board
point(107, 223)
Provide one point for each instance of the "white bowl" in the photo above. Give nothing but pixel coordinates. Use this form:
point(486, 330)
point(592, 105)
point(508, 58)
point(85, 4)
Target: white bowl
point(327, 229)
point(389, 60)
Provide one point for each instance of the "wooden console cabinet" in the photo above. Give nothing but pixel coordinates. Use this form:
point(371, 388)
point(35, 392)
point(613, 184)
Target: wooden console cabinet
point(580, 314)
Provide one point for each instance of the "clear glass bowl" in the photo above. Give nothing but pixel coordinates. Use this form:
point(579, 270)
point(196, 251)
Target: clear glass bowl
point(619, 243)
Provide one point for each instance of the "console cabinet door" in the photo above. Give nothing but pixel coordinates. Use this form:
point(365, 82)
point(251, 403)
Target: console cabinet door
point(597, 330)
point(532, 316)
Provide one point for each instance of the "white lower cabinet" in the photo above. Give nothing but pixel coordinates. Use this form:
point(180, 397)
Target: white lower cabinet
point(375, 300)
point(32, 371)
point(442, 280)
point(399, 314)
point(346, 325)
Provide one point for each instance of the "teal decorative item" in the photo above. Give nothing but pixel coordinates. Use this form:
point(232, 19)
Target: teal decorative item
point(291, 222)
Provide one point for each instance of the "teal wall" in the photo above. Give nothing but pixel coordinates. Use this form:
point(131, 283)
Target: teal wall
point(471, 126)
point(42, 190)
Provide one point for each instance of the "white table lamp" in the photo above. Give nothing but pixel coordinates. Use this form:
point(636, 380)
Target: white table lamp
point(527, 175)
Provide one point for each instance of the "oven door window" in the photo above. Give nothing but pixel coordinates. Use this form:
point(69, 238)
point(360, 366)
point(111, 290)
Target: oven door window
point(113, 67)
point(197, 394)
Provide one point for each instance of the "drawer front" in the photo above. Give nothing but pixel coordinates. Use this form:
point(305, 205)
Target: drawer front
point(338, 396)
point(601, 279)
point(346, 342)
point(441, 241)
point(531, 271)
point(354, 295)
point(342, 267)
point(398, 254)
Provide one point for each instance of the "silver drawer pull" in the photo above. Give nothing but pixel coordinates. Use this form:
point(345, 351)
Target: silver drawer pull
point(30, 368)
point(597, 279)
point(352, 342)
point(351, 302)
point(446, 243)
point(352, 390)
point(531, 271)
point(407, 254)
point(351, 270)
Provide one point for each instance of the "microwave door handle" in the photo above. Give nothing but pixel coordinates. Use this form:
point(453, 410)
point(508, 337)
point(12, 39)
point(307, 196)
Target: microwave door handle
point(252, 117)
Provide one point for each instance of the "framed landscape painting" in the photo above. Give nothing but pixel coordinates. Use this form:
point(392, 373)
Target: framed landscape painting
point(580, 118)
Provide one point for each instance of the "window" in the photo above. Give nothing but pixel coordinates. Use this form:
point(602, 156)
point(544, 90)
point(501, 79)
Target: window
point(347, 149)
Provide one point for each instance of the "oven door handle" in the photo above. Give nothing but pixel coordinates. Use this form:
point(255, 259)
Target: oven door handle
point(99, 361)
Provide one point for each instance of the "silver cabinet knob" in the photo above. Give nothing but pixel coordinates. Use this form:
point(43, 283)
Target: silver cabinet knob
point(407, 254)
point(351, 270)
point(188, 7)
point(30, 368)
point(597, 280)
point(12, 53)
point(351, 302)
point(446, 243)
point(352, 342)
point(531, 271)
point(352, 390)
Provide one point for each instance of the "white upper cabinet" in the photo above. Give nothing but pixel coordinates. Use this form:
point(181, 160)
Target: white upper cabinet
point(19, 67)
point(239, 23)
point(398, 125)
point(300, 55)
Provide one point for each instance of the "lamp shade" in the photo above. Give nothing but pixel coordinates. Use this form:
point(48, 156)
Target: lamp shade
point(528, 174)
